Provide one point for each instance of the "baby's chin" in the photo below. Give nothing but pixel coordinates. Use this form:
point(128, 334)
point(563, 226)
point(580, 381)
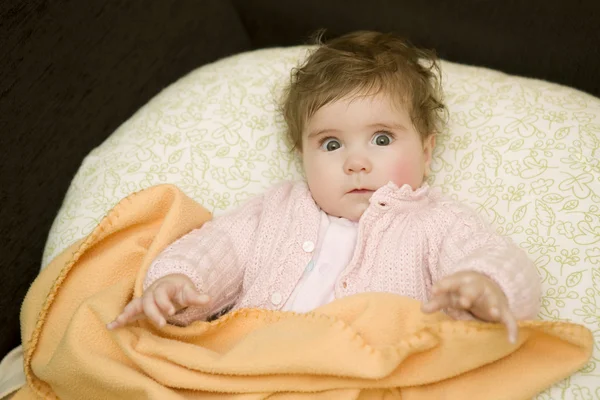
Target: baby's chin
point(352, 212)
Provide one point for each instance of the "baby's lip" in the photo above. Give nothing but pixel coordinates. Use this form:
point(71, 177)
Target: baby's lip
point(360, 190)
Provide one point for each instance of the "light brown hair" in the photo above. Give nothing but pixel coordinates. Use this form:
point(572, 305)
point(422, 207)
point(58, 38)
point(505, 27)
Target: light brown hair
point(365, 63)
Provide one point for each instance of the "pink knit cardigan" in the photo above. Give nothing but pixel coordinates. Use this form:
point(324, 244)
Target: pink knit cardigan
point(407, 240)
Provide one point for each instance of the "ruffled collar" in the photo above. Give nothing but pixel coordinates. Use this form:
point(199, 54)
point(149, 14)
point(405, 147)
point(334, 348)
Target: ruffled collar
point(390, 195)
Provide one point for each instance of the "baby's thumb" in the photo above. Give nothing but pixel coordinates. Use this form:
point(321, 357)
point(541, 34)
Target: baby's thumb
point(191, 296)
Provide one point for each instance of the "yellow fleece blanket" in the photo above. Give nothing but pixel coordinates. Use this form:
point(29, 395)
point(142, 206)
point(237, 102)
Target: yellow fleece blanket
point(368, 346)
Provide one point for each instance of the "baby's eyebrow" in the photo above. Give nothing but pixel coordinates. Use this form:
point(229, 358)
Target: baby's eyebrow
point(378, 125)
point(387, 125)
point(322, 132)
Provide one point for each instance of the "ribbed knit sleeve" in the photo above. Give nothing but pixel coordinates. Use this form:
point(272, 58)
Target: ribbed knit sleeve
point(471, 245)
point(213, 257)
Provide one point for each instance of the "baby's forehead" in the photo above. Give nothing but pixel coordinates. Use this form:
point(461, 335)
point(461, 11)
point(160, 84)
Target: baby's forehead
point(365, 111)
point(381, 101)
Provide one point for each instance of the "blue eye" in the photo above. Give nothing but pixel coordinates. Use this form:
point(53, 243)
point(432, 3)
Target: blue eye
point(330, 144)
point(382, 139)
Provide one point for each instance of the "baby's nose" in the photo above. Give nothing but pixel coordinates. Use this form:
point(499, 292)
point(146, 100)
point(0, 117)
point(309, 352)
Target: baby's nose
point(356, 163)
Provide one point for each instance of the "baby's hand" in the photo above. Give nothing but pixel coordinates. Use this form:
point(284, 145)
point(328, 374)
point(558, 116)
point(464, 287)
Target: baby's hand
point(162, 299)
point(476, 293)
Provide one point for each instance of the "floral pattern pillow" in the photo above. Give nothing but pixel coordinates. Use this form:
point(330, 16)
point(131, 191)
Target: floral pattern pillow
point(524, 153)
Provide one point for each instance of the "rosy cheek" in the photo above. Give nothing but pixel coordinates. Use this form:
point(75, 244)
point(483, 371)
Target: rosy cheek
point(407, 171)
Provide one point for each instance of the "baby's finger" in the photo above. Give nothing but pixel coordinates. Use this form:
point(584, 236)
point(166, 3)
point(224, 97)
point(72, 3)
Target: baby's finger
point(436, 303)
point(449, 283)
point(151, 310)
point(469, 293)
point(189, 296)
point(163, 301)
point(118, 322)
point(487, 306)
point(129, 313)
point(509, 320)
point(456, 301)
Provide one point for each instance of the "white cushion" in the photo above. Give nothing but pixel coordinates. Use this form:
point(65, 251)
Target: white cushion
point(523, 152)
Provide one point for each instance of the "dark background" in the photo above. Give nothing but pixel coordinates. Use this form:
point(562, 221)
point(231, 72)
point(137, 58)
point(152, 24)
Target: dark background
point(72, 71)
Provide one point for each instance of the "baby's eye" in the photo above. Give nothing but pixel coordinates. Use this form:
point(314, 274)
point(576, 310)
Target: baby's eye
point(330, 144)
point(382, 139)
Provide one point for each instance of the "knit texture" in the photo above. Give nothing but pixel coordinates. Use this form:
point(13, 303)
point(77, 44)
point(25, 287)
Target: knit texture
point(407, 240)
point(370, 345)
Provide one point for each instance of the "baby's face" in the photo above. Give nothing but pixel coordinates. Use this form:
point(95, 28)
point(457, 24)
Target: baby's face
point(354, 146)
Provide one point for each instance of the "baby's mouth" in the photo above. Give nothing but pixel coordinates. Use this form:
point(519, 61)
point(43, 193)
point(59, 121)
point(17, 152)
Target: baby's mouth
point(360, 191)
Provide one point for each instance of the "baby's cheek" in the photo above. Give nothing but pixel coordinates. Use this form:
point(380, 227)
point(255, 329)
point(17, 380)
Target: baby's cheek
point(408, 171)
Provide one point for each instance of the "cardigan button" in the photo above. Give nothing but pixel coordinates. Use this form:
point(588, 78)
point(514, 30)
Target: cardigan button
point(276, 298)
point(345, 285)
point(308, 246)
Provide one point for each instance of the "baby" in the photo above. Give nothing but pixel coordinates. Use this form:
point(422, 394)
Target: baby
point(362, 113)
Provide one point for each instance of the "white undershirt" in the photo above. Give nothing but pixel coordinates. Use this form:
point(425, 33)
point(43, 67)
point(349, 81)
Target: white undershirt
point(334, 249)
